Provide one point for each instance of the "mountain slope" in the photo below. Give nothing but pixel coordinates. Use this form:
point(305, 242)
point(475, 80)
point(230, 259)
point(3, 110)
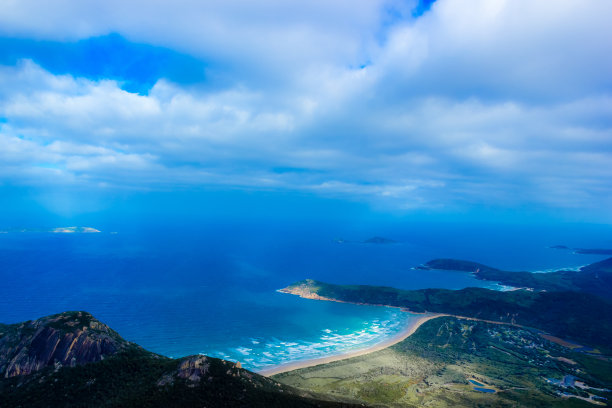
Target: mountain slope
point(73, 360)
point(574, 315)
point(595, 278)
point(66, 339)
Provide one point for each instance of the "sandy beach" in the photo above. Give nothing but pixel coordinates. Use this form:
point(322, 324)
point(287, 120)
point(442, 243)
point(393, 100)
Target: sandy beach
point(324, 360)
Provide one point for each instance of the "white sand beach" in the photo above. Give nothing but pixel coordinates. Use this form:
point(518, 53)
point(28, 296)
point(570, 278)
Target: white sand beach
point(281, 368)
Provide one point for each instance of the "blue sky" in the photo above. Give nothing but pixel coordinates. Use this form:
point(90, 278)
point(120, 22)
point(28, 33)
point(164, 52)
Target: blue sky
point(450, 107)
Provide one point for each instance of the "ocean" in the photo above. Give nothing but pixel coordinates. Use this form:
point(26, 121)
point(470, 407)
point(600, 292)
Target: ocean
point(211, 288)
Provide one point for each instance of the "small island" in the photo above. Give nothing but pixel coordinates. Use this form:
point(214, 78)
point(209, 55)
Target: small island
point(559, 247)
point(74, 230)
point(373, 240)
point(585, 251)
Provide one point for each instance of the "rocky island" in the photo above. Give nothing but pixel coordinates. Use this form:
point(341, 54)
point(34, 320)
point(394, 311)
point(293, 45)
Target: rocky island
point(75, 230)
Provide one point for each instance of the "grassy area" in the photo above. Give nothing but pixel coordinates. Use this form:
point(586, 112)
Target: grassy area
point(433, 366)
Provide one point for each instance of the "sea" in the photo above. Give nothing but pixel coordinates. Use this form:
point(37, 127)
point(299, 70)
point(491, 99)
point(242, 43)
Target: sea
point(211, 288)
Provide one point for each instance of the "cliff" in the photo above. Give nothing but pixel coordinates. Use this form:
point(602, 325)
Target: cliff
point(66, 339)
point(306, 289)
point(73, 360)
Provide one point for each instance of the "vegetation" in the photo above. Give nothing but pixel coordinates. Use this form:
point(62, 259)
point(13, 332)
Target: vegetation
point(73, 360)
point(594, 279)
point(132, 379)
point(126, 375)
point(577, 316)
point(505, 349)
point(433, 368)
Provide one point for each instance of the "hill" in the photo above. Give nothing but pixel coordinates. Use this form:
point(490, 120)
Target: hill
point(578, 316)
point(595, 278)
point(73, 360)
point(451, 362)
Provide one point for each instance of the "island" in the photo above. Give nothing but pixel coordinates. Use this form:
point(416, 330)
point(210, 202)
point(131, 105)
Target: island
point(585, 251)
point(373, 240)
point(73, 230)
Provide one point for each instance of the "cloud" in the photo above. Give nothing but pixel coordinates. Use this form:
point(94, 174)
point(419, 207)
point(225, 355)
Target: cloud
point(135, 66)
point(496, 103)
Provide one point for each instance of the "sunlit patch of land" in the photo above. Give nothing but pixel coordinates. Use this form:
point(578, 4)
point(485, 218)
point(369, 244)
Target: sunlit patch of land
point(457, 362)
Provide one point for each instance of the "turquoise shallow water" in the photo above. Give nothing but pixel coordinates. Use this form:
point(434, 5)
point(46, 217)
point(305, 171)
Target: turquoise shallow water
point(212, 288)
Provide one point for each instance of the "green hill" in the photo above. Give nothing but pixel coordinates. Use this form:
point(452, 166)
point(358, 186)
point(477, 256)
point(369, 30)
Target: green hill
point(73, 360)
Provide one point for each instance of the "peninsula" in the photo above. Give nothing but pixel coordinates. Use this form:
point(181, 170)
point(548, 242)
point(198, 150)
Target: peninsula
point(595, 278)
point(538, 347)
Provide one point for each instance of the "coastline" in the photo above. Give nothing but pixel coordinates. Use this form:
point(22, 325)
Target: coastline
point(281, 368)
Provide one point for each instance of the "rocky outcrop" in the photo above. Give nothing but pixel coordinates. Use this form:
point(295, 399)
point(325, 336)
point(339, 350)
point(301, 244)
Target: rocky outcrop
point(197, 368)
point(306, 289)
point(130, 376)
point(67, 339)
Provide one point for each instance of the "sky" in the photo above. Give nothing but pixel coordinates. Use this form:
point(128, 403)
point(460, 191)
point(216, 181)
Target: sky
point(444, 107)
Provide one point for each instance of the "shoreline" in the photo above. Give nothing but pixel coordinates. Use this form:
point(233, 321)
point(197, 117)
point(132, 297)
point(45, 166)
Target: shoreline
point(311, 296)
point(404, 334)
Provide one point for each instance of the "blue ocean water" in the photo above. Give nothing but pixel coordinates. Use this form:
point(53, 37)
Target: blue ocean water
point(211, 288)
point(481, 389)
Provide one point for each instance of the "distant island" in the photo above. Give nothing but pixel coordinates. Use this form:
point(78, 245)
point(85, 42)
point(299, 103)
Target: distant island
point(57, 230)
point(373, 240)
point(74, 230)
point(585, 251)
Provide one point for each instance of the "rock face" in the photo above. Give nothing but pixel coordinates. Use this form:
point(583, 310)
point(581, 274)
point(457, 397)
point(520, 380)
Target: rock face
point(43, 364)
point(306, 289)
point(66, 339)
point(193, 369)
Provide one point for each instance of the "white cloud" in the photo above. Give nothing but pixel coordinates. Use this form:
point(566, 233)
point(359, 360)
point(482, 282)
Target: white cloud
point(489, 101)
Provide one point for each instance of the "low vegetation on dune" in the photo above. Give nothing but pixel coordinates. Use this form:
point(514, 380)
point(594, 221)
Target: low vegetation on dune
point(434, 366)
